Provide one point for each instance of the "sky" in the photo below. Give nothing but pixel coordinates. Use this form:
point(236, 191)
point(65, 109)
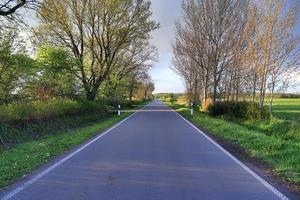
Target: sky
point(166, 12)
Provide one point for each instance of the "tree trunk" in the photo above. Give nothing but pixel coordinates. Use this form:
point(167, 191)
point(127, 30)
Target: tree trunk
point(131, 88)
point(254, 89)
point(236, 88)
point(205, 93)
point(215, 94)
point(196, 95)
point(91, 95)
point(261, 103)
point(262, 97)
point(215, 89)
point(146, 92)
point(130, 94)
point(205, 87)
point(271, 101)
point(2, 142)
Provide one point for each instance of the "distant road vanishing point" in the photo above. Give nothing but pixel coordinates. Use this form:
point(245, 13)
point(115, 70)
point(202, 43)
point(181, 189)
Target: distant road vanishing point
point(151, 155)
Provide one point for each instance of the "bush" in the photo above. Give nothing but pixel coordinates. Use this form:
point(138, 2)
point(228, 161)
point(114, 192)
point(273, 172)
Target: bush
point(220, 108)
point(241, 110)
point(43, 110)
point(288, 95)
point(206, 104)
point(26, 121)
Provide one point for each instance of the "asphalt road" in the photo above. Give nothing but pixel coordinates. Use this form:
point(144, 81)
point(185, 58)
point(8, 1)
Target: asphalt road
point(155, 154)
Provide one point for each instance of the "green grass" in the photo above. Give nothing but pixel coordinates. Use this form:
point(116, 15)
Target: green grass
point(287, 109)
point(285, 123)
point(275, 141)
point(23, 158)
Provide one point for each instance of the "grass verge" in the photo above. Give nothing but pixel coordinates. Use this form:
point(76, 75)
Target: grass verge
point(280, 154)
point(23, 158)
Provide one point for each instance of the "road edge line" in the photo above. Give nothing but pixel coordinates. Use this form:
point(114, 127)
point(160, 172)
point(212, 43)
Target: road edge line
point(35, 178)
point(242, 165)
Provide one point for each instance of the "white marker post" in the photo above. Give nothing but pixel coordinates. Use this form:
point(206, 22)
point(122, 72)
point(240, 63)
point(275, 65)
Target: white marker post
point(119, 110)
point(192, 110)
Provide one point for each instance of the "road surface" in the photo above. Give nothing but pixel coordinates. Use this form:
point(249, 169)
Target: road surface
point(154, 154)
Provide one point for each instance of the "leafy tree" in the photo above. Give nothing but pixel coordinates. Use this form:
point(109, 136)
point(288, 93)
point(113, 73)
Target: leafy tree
point(15, 66)
point(99, 33)
point(55, 74)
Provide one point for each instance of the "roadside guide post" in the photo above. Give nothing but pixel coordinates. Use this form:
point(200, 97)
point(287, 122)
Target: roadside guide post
point(119, 110)
point(192, 110)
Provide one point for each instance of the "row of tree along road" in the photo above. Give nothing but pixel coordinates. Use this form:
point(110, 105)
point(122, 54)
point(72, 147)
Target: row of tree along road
point(226, 49)
point(68, 64)
point(97, 49)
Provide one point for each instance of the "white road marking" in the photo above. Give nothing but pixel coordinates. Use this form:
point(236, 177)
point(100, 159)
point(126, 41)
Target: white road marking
point(46, 171)
point(256, 176)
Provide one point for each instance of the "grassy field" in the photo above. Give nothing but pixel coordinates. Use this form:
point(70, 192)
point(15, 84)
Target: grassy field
point(287, 109)
point(275, 142)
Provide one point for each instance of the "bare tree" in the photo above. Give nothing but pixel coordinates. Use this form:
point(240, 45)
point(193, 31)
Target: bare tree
point(135, 78)
point(189, 49)
point(208, 35)
point(285, 53)
point(272, 47)
point(9, 7)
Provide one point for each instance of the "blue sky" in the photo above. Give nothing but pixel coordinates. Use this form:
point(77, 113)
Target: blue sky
point(166, 12)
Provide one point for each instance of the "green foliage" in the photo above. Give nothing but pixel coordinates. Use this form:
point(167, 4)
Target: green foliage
point(54, 60)
point(42, 110)
point(220, 108)
point(287, 109)
point(168, 97)
point(114, 91)
point(172, 98)
point(240, 110)
point(55, 76)
point(25, 121)
point(15, 67)
point(288, 95)
point(125, 48)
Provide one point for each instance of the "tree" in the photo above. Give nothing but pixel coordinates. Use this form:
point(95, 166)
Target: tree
point(145, 89)
point(15, 66)
point(97, 32)
point(229, 47)
point(273, 47)
point(207, 37)
point(134, 78)
point(285, 51)
point(134, 63)
point(10, 9)
point(11, 6)
point(55, 74)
